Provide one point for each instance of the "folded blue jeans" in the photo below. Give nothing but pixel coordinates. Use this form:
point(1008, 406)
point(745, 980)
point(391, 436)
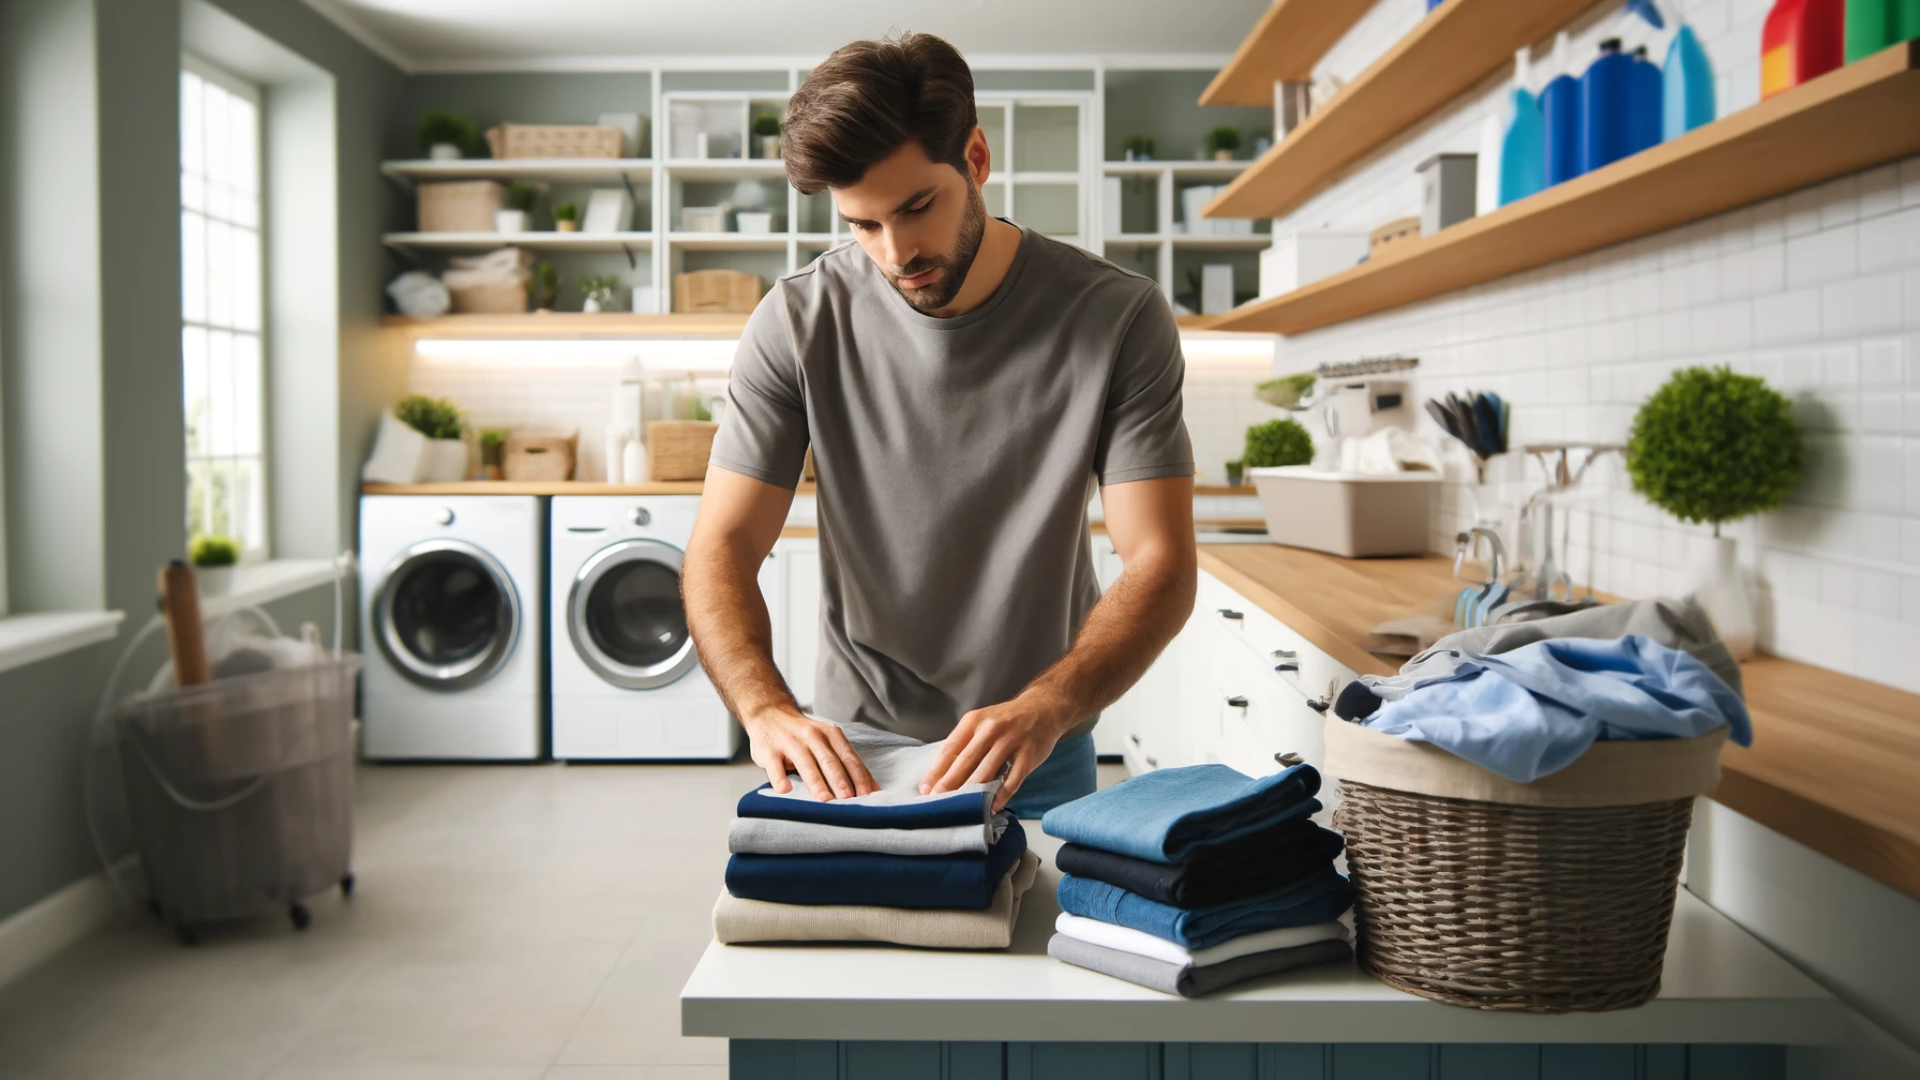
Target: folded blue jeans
point(870, 879)
point(1321, 897)
point(1164, 815)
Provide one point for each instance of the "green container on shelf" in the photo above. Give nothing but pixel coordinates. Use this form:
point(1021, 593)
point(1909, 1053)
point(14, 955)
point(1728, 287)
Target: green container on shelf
point(1873, 25)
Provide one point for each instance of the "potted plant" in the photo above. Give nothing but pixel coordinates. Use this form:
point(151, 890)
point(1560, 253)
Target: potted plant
point(566, 217)
point(445, 136)
point(214, 559)
point(492, 442)
point(1222, 141)
point(766, 129)
point(445, 459)
point(521, 197)
point(1276, 443)
point(1714, 446)
point(1137, 147)
point(543, 286)
point(598, 290)
point(1236, 472)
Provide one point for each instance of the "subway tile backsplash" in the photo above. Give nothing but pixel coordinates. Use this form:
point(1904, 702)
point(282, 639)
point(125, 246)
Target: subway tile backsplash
point(1817, 291)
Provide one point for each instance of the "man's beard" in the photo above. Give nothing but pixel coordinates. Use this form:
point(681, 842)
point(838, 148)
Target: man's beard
point(940, 293)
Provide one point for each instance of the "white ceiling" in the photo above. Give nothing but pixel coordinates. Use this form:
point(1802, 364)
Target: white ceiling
point(429, 35)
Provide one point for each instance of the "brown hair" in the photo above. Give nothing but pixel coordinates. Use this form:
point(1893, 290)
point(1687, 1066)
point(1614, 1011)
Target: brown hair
point(869, 99)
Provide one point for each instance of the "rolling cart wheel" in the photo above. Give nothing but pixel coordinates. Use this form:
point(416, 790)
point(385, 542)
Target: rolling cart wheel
point(300, 916)
point(185, 934)
point(346, 885)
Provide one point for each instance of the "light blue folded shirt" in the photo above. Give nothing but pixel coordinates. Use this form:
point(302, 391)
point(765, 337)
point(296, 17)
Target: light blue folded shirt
point(1531, 712)
point(1163, 815)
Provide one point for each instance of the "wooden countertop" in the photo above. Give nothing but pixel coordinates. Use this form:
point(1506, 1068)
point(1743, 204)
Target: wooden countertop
point(1835, 761)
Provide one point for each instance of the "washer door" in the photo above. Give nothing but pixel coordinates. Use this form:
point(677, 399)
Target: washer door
point(626, 618)
point(446, 615)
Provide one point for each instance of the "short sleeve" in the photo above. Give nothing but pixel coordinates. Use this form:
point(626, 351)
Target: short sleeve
point(764, 431)
point(1143, 432)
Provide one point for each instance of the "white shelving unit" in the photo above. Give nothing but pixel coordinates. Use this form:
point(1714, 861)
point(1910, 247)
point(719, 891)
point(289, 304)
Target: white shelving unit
point(603, 171)
point(1158, 184)
point(533, 241)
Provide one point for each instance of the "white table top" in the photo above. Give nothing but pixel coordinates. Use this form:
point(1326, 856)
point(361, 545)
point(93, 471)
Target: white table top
point(1720, 986)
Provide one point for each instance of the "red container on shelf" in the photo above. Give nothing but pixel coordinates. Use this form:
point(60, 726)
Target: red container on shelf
point(1802, 40)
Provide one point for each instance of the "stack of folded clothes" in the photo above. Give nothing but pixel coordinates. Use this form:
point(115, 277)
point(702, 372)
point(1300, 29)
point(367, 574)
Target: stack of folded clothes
point(938, 871)
point(1190, 880)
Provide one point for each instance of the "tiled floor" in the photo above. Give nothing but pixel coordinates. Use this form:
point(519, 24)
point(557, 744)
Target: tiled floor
point(511, 923)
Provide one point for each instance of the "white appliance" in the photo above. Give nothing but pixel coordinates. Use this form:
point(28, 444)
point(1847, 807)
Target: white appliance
point(452, 598)
point(626, 682)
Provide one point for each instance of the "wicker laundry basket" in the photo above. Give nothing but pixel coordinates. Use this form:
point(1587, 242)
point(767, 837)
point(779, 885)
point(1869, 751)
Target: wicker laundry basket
point(1554, 896)
point(734, 292)
point(460, 205)
point(554, 141)
point(678, 449)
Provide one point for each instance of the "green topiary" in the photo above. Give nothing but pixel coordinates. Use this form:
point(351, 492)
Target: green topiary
point(211, 551)
point(766, 124)
point(1714, 446)
point(436, 418)
point(565, 211)
point(439, 126)
point(1223, 138)
point(1278, 442)
point(522, 195)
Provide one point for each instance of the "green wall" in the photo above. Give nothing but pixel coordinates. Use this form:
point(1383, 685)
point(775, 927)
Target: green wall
point(1166, 105)
point(89, 340)
point(524, 98)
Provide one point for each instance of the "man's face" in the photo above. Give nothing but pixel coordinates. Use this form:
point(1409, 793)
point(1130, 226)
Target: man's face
point(920, 221)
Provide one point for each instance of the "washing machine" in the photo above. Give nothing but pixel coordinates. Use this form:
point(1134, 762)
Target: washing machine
point(626, 682)
point(452, 620)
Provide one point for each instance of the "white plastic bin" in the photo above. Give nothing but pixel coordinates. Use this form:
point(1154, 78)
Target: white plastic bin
point(1354, 515)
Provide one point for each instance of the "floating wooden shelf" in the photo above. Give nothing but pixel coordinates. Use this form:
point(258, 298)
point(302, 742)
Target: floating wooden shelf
point(1458, 44)
point(1285, 44)
point(1862, 115)
point(538, 240)
point(567, 325)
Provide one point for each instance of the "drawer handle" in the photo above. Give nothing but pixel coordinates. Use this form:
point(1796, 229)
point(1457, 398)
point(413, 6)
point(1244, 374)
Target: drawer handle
point(1285, 654)
point(1229, 613)
point(1153, 762)
point(1237, 701)
point(1288, 758)
point(1287, 665)
point(1134, 739)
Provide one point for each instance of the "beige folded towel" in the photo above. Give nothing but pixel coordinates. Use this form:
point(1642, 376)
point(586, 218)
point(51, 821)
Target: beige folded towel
point(739, 922)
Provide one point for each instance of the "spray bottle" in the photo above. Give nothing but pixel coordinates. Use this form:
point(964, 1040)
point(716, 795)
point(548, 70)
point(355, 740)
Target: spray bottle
point(1523, 149)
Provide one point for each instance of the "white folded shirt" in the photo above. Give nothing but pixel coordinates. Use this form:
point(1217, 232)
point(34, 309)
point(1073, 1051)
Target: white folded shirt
point(896, 762)
point(1140, 943)
point(768, 836)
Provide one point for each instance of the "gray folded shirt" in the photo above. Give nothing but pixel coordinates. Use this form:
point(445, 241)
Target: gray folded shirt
point(768, 836)
point(1185, 979)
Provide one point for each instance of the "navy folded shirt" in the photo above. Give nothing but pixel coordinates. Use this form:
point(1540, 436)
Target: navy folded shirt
point(1321, 896)
point(1259, 863)
point(918, 812)
point(875, 880)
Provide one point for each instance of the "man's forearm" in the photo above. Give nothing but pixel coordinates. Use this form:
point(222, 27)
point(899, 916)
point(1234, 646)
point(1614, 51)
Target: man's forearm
point(1135, 619)
point(728, 619)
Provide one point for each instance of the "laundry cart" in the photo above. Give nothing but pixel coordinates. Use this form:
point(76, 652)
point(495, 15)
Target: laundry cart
point(240, 791)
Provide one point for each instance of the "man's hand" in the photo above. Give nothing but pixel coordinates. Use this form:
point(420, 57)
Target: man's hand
point(1022, 731)
point(819, 752)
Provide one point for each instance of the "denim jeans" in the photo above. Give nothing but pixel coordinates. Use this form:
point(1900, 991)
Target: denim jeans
point(1069, 773)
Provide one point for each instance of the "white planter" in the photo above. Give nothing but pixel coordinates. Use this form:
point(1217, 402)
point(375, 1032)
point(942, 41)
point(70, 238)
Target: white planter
point(510, 221)
point(214, 580)
point(591, 305)
point(1722, 592)
point(769, 146)
point(757, 222)
point(444, 152)
point(445, 461)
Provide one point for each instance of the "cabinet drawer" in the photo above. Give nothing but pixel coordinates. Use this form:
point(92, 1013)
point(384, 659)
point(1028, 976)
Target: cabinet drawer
point(1275, 645)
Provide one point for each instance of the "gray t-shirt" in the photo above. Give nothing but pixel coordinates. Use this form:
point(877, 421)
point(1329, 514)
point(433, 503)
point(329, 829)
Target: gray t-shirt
point(955, 460)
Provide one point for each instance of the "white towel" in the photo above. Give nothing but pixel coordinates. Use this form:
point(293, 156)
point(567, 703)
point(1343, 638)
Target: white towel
point(767, 836)
point(1140, 943)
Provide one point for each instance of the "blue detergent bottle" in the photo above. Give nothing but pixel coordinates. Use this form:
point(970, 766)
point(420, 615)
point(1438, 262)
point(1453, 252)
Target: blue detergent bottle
point(1644, 104)
point(1523, 147)
point(1686, 86)
point(1560, 116)
point(1605, 107)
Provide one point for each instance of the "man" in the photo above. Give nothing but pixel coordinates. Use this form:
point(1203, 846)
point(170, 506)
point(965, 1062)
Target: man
point(963, 382)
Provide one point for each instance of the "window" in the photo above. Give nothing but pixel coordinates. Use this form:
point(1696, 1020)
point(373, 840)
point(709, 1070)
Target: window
point(221, 334)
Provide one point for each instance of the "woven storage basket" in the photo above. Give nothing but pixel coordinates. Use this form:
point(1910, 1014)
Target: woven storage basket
point(678, 449)
point(1397, 231)
point(717, 291)
point(1548, 897)
point(554, 141)
point(460, 205)
point(503, 298)
point(538, 458)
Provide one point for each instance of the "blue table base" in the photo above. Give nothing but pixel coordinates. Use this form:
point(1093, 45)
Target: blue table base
point(757, 1059)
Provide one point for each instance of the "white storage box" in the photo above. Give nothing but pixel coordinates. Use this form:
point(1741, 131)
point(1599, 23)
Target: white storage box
point(1354, 515)
point(1294, 262)
point(703, 219)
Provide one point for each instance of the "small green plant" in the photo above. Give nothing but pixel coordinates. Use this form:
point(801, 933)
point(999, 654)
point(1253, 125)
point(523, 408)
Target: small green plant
point(1225, 137)
point(597, 285)
point(1287, 391)
point(1277, 442)
point(1714, 446)
point(766, 124)
point(436, 418)
point(1140, 146)
point(439, 127)
point(491, 442)
point(522, 195)
point(1235, 470)
point(543, 285)
point(566, 211)
point(212, 551)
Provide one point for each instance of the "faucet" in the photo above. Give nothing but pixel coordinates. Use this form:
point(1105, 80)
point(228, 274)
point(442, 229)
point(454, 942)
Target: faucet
point(1470, 539)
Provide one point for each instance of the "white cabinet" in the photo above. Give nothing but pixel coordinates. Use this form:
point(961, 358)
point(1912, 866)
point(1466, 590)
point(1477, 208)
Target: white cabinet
point(794, 567)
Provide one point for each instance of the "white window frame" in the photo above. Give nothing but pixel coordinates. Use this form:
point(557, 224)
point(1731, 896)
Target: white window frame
point(255, 548)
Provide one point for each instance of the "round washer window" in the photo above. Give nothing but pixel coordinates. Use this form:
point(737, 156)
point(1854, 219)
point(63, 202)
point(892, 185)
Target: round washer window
point(446, 615)
point(634, 614)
